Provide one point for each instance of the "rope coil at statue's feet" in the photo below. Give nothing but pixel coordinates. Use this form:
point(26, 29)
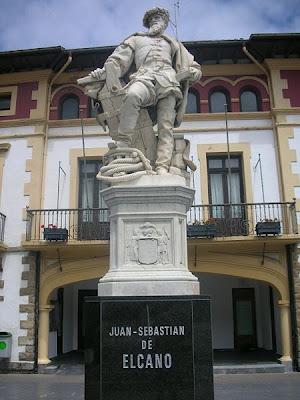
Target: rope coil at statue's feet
point(124, 164)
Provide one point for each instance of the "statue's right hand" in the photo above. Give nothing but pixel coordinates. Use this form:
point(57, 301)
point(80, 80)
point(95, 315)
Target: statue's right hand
point(97, 73)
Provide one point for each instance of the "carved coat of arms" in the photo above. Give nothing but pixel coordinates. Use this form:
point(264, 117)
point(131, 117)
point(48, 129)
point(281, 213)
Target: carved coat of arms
point(149, 245)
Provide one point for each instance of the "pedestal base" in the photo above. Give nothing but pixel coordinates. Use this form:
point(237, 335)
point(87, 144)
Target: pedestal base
point(148, 348)
point(149, 288)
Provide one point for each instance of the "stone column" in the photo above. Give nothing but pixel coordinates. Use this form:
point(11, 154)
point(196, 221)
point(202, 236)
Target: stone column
point(285, 327)
point(148, 240)
point(44, 334)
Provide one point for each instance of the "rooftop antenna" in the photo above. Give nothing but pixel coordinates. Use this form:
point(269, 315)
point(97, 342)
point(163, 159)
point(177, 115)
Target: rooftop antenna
point(261, 177)
point(60, 170)
point(176, 14)
point(84, 163)
point(228, 154)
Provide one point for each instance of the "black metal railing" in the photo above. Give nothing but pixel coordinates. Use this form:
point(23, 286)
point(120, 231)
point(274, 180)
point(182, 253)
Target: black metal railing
point(81, 224)
point(227, 220)
point(242, 219)
point(2, 226)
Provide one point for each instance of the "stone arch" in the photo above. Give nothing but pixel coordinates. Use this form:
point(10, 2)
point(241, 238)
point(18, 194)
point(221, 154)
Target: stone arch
point(243, 266)
point(70, 272)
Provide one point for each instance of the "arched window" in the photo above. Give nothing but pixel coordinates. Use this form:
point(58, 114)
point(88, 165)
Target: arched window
point(69, 108)
point(217, 99)
point(249, 100)
point(193, 102)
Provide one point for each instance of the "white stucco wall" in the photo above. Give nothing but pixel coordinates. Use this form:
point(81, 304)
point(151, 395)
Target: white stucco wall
point(295, 145)
point(260, 142)
point(12, 200)
point(59, 150)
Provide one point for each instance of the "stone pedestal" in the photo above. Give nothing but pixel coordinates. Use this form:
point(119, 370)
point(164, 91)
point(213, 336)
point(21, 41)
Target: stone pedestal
point(148, 243)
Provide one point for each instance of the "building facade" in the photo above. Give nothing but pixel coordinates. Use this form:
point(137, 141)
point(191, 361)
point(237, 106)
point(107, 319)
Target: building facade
point(248, 166)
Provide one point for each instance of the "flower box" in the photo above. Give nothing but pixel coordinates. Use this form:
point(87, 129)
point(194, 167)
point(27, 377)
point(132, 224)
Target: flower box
point(56, 234)
point(202, 230)
point(268, 228)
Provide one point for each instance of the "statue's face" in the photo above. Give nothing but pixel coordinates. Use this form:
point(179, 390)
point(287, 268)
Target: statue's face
point(157, 25)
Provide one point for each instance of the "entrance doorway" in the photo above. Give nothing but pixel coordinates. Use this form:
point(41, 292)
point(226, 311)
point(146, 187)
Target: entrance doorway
point(244, 318)
point(82, 293)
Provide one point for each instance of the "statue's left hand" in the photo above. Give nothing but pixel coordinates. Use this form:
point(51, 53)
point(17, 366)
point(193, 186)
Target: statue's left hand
point(97, 74)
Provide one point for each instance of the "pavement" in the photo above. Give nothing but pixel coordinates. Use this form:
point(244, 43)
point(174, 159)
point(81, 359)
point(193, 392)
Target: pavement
point(227, 387)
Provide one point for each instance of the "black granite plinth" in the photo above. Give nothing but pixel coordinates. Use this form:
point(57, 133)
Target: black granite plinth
point(148, 348)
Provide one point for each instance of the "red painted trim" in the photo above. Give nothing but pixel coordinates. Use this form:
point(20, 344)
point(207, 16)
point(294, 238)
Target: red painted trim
point(24, 102)
point(293, 90)
point(233, 90)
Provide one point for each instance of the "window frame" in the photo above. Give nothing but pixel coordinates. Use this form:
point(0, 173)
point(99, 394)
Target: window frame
point(12, 92)
point(224, 172)
point(62, 101)
point(197, 97)
point(257, 94)
point(226, 94)
point(82, 175)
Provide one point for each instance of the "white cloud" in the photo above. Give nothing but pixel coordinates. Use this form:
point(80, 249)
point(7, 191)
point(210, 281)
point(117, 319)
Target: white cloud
point(86, 23)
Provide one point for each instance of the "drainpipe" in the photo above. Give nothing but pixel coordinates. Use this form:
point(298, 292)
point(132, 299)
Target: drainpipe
point(37, 311)
point(46, 126)
point(274, 125)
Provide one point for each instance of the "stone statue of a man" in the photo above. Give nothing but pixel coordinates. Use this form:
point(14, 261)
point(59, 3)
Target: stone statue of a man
point(160, 72)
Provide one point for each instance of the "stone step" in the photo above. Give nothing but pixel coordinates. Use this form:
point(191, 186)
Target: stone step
point(78, 369)
point(249, 368)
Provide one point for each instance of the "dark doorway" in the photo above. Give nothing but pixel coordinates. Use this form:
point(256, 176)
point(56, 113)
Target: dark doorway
point(244, 317)
point(56, 317)
point(81, 295)
point(60, 301)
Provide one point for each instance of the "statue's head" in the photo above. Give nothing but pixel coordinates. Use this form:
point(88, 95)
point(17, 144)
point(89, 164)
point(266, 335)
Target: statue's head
point(156, 19)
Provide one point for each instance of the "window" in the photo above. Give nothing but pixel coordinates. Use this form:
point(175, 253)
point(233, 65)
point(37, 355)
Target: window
point(69, 108)
point(217, 99)
point(225, 186)
point(220, 190)
point(193, 101)
point(249, 101)
point(90, 186)
point(93, 220)
point(5, 100)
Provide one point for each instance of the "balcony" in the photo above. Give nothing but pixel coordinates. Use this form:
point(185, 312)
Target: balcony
point(230, 220)
point(78, 224)
point(244, 219)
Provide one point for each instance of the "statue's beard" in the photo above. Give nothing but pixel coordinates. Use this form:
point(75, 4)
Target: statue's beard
point(156, 29)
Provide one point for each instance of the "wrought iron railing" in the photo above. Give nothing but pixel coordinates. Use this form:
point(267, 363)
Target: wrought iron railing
point(228, 220)
point(242, 219)
point(2, 226)
point(81, 224)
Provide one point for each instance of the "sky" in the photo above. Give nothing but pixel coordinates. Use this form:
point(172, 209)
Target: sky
point(27, 24)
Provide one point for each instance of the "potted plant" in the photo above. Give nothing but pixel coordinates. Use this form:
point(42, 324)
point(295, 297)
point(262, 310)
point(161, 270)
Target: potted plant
point(268, 227)
point(52, 233)
point(206, 228)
